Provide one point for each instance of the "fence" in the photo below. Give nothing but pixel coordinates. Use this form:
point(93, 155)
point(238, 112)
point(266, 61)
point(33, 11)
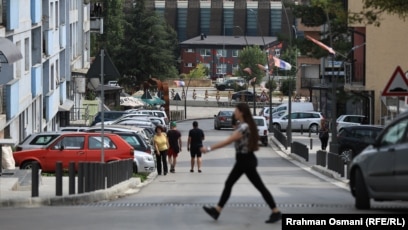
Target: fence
point(91, 176)
point(300, 150)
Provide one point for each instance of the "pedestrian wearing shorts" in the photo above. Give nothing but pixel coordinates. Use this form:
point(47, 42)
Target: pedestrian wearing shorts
point(161, 145)
point(194, 144)
point(174, 137)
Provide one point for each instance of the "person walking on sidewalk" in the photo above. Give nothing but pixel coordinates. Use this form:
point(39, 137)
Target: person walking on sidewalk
point(174, 137)
point(246, 140)
point(194, 143)
point(161, 145)
point(324, 133)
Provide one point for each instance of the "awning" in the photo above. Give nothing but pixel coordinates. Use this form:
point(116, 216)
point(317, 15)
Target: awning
point(9, 52)
point(66, 106)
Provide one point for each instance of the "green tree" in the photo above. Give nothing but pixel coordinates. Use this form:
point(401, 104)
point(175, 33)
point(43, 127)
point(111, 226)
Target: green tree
point(113, 30)
point(288, 85)
point(250, 57)
point(198, 72)
point(318, 13)
point(151, 45)
point(373, 9)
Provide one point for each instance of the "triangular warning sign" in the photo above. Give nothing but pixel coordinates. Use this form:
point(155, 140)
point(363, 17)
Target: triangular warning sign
point(397, 85)
point(177, 97)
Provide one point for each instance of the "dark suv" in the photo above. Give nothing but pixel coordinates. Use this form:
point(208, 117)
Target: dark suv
point(354, 139)
point(108, 116)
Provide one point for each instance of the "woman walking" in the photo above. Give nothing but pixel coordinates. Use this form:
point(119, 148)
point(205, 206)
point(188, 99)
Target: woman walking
point(246, 140)
point(161, 145)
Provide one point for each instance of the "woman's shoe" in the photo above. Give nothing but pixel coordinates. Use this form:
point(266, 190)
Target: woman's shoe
point(274, 217)
point(212, 212)
point(191, 170)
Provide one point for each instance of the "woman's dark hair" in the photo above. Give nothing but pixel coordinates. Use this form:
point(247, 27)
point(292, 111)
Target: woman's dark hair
point(159, 127)
point(247, 116)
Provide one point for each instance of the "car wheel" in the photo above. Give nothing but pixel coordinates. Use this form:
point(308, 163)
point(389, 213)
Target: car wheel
point(314, 128)
point(27, 165)
point(346, 155)
point(135, 169)
point(277, 127)
point(361, 193)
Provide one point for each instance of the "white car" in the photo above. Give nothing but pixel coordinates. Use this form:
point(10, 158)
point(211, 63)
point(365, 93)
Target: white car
point(349, 120)
point(262, 129)
point(143, 162)
point(299, 120)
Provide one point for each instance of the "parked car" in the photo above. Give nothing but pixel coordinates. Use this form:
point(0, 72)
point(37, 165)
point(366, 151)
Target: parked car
point(37, 140)
point(379, 172)
point(74, 129)
point(223, 119)
point(143, 162)
point(295, 107)
point(262, 129)
point(230, 84)
point(354, 139)
point(243, 95)
point(107, 116)
point(299, 120)
point(156, 113)
point(265, 112)
point(133, 138)
point(76, 147)
point(349, 120)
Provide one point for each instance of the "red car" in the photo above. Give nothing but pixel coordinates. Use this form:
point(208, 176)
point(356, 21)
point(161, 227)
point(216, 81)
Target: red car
point(75, 147)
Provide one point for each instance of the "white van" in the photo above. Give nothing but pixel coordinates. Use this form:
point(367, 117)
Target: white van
point(296, 107)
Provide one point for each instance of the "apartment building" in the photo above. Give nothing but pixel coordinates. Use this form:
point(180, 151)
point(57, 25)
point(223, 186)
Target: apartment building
point(37, 90)
point(385, 49)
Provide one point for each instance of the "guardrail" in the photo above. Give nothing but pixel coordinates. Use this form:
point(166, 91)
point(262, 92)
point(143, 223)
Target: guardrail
point(300, 150)
point(91, 176)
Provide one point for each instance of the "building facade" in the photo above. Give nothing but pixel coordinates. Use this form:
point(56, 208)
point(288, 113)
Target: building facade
point(374, 64)
point(51, 36)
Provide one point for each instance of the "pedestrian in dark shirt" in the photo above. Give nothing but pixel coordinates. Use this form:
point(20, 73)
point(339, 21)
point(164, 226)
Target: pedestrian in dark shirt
point(245, 136)
point(174, 137)
point(194, 143)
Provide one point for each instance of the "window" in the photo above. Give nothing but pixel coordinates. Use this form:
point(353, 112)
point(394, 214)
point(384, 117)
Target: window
point(395, 134)
point(235, 53)
point(26, 54)
point(235, 68)
point(221, 53)
point(221, 68)
point(189, 51)
point(205, 52)
point(95, 142)
point(70, 142)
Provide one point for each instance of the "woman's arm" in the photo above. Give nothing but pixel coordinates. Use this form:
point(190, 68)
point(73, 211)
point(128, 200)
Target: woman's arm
point(236, 135)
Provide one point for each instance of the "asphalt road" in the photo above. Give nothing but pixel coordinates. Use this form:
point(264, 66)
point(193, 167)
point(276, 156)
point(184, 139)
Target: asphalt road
point(175, 201)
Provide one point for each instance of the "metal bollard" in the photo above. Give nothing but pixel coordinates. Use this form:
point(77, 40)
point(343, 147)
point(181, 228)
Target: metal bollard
point(301, 129)
point(35, 179)
point(311, 143)
point(71, 173)
point(58, 178)
point(80, 177)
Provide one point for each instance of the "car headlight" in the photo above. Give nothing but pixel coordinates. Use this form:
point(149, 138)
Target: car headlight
point(148, 158)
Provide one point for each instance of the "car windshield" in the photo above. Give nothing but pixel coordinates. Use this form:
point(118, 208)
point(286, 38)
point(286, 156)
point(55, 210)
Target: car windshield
point(259, 122)
point(226, 113)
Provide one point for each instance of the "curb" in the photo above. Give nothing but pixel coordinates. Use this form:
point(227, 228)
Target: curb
point(317, 168)
point(124, 188)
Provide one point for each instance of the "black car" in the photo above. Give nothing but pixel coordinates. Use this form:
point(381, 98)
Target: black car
point(354, 139)
point(223, 119)
point(243, 95)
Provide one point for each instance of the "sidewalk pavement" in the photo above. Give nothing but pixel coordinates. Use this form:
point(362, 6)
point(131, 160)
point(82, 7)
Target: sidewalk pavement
point(14, 194)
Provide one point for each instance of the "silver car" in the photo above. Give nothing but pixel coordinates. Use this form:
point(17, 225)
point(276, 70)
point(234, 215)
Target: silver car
point(299, 120)
point(143, 162)
point(37, 140)
point(379, 172)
